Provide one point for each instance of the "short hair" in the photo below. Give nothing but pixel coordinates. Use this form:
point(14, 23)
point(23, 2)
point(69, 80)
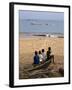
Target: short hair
point(49, 48)
point(43, 50)
point(39, 52)
point(36, 52)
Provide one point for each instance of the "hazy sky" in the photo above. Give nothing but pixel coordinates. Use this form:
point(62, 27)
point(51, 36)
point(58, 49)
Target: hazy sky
point(44, 15)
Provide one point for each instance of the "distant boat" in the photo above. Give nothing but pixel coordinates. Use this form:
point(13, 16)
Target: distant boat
point(34, 23)
point(46, 24)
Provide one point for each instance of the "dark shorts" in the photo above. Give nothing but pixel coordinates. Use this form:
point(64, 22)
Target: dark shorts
point(52, 56)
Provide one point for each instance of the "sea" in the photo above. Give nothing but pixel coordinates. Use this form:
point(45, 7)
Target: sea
point(30, 28)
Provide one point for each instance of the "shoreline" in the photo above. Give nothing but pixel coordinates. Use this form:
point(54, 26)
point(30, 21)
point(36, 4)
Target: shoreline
point(39, 37)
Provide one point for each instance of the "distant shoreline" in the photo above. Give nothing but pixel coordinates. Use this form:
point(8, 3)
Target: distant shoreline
point(41, 33)
point(33, 34)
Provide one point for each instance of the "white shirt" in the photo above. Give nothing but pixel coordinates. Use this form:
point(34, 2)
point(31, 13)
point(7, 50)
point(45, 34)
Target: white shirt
point(44, 56)
point(40, 57)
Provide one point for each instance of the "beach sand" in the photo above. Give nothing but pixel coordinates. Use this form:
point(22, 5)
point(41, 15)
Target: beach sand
point(27, 46)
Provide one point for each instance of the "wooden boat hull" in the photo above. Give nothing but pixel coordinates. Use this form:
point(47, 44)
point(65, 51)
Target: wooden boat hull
point(40, 66)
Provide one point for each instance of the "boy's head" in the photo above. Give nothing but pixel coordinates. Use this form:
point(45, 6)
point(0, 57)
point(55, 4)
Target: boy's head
point(36, 52)
point(43, 50)
point(49, 48)
point(39, 52)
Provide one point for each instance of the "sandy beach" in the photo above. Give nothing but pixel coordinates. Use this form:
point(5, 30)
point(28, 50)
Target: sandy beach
point(27, 46)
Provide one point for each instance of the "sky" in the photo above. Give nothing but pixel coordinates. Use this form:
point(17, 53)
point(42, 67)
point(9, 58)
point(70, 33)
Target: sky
point(44, 15)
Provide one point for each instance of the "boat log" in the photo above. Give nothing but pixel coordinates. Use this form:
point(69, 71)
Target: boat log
point(40, 66)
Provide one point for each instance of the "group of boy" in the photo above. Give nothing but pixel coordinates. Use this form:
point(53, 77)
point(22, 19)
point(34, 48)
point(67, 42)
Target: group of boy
point(42, 56)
